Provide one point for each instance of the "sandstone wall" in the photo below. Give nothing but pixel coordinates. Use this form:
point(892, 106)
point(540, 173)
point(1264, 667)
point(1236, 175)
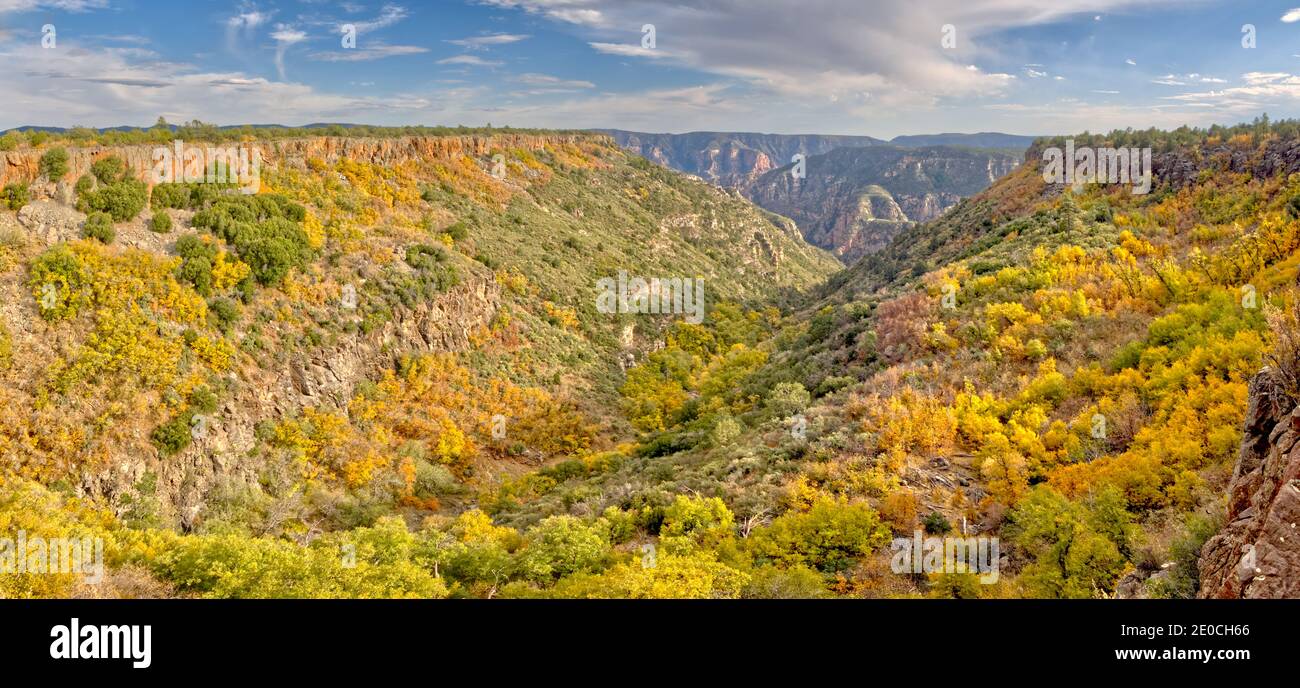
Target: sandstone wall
point(22, 165)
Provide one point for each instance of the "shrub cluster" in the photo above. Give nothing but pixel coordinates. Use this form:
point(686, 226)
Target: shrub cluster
point(186, 196)
point(265, 231)
point(117, 193)
point(161, 223)
point(54, 164)
point(99, 226)
point(16, 195)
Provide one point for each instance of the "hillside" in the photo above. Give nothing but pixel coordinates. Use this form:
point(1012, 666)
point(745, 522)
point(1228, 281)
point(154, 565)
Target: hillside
point(1064, 369)
point(385, 328)
point(853, 201)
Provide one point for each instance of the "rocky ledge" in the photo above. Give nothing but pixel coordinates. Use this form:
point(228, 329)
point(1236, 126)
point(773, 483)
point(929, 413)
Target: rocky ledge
point(1257, 554)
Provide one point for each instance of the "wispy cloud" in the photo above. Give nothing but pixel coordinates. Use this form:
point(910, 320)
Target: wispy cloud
point(630, 50)
point(242, 27)
point(469, 60)
point(64, 5)
point(120, 38)
point(285, 37)
point(249, 19)
point(368, 53)
point(477, 42)
point(388, 16)
point(552, 81)
point(571, 11)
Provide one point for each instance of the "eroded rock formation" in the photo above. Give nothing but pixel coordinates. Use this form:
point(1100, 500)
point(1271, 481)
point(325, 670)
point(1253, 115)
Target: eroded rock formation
point(1257, 554)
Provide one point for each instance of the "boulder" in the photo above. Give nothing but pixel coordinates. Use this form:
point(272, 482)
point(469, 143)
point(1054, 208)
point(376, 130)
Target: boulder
point(50, 221)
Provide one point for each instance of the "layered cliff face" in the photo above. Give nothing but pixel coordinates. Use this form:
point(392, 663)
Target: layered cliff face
point(1257, 554)
point(853, 201)
point(731, 159)
point(23, 165)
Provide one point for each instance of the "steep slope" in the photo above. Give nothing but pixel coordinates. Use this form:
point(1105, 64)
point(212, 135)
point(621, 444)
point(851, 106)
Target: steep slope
point(736, 158)
point(854, 200)
point(1065, 370)
point(345, 340)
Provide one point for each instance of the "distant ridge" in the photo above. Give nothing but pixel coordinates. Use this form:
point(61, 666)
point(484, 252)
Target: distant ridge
point(734, 159)
point(987, 139)
point(730, 159)
point(174, 127)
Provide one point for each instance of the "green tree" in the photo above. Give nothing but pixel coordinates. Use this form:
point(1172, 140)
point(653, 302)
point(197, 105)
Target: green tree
point(99, 226)
point(562, 545)
point(697, 519)
point(1077, 547)
point(829, 537)
point(16, 195)
point(54, 164)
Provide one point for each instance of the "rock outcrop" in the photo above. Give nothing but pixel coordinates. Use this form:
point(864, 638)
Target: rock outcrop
point(1257, 554)
point(23, 165)
point(51, 221)
point(853, 201)
point(731, 159)
point(323, 379)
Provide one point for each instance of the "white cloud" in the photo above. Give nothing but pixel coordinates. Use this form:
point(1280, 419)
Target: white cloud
point(553, 82)
point(250, 19)
point(630, 50)
point(288, 35)
point(571, 11)
point(1291, 16)
point(470, 60)
point(1185, 79)
point(64, 5)
point(476, 42)
point(388, 15)
point(1260, 91)
point(95, 87)
point(377, 51)
point(285, 37)
point(828, 50)
point(770, 64)
point(241, 27)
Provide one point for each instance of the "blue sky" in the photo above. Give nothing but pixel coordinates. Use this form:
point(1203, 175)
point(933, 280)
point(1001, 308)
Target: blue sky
point(791, 66)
